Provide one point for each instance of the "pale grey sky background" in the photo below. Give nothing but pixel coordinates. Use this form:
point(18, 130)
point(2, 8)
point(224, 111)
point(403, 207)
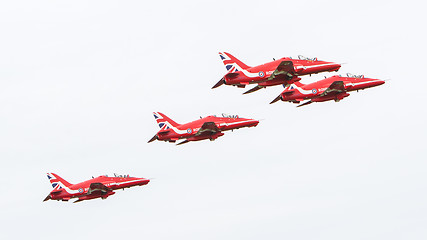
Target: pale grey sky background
point(79, 81)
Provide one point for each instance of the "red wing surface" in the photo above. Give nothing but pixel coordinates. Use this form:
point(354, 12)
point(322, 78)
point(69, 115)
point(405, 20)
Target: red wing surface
point(208, 127)
point(94, 187)
point(285, 68)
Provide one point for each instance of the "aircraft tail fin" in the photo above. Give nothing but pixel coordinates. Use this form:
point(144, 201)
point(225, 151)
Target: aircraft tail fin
point(57, 182)
point(231, 63)
point(162, 120)
point(292, 86)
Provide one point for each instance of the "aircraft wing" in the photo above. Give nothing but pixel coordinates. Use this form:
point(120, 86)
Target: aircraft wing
point(335, 87)
point(285, 69)
point(94, 187)
point(209, 127)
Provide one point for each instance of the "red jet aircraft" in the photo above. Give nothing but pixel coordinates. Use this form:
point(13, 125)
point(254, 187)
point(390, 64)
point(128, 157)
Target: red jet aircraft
point(99, 187)
point(332, 88)
point(282, 71)
point(210, 127)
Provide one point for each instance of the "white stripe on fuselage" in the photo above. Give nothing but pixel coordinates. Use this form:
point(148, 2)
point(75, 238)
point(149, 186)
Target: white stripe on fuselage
point(176, 130)
point(320, 65)
point(245, 72)
point(249, 74)
point(68, 190)
point(253, 75)
point(233, 123)
point(301, 90)
point(360, 83)
point(121, 183)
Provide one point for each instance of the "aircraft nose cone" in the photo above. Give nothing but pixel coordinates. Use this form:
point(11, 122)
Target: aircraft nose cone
point(253, 123)
point(377, 82)
point(144, 181)
point(337, 66)
point(249, 123)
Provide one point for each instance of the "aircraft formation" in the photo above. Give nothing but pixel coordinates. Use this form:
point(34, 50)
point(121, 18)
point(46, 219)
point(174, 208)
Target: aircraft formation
point(285, 71)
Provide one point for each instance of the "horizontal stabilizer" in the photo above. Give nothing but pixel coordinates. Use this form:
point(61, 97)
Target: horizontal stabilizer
point(276, 99)
point(222, 81)
point(185, 141)
point(47, 198)
point(153, 138)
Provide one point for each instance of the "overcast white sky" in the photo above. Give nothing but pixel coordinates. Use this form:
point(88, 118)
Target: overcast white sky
point(79, 81)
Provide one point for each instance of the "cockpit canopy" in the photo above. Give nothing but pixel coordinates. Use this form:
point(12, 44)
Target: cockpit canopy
point(301, 57)
point(229, 115)
point(354, 76)
point(225, 115)
point(120, 176)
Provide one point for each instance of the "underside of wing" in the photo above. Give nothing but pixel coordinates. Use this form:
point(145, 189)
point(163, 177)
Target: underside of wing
point(208, 127)
point(256, 88)
point(335, 87)
point(306, 103)
point(285, 70)
point(95, 187)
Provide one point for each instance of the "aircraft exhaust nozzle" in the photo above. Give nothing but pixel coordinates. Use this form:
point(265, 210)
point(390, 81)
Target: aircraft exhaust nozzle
point(222, 81)
point(277, 99)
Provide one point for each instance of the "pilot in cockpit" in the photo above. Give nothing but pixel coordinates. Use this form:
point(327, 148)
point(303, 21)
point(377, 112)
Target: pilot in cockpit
point(301, 57)
point(355, 76)
point(229, 116)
